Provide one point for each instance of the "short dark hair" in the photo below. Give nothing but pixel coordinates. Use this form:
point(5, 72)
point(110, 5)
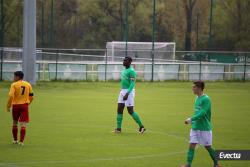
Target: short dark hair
point(129, 58)
point(19, 74)
point(199, 84)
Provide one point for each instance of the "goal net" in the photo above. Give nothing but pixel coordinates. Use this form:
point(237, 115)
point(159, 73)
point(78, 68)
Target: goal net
point(141, 51)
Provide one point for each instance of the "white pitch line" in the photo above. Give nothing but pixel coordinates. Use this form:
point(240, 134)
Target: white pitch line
point(10, 164)
point(148, 131)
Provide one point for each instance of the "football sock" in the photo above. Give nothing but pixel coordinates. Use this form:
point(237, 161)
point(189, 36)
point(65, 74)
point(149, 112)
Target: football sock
point(119, 120)
point(212, 155)
point(14, 132)
point(22, 133)
point(190, 156)
point(137, 119)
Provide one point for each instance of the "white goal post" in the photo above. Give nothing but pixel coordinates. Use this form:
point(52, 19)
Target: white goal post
point(140, 51)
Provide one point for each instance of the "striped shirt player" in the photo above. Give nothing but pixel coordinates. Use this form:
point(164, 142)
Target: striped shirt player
point(20, 96)
point(127, 95)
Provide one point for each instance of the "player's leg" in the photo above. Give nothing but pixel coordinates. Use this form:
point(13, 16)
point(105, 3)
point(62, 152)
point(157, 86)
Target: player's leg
point(119, 117)
point(15, 117)
point(120, 108)
point(206, 140)
point(194, 140)
point(190, 155)
point(136, 117)
point(22, 132)
point(15, 131)
point(212, 154)
point(24, 119)
point(130, 107)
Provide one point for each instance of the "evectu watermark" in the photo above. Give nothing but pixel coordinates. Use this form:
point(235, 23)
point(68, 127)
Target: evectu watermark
point(233, 154)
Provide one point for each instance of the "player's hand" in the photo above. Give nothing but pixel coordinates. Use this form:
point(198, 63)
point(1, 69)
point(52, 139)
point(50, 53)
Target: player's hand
point(126, 96)
point(188, 121)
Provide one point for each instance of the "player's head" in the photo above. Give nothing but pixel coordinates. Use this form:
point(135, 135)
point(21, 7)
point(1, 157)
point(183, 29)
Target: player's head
point(18, 75)
point(127, 61)
point(198, 87)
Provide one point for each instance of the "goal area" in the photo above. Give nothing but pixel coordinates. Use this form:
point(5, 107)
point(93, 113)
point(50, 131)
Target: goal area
point(141, 51)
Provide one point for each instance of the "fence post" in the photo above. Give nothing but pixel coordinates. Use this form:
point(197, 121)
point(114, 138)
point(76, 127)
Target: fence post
point(152, 70)
point(38, 72)
point(126, 27)
point(2, 35)
point(210, 24)
point(56, 62)
point(200, 67)
point(245, 67)
point(153, 38)
point(86, 71)
point(106, 61)
point(42, 68)
point(51, 26)
point(42, 40)
point(1, 64)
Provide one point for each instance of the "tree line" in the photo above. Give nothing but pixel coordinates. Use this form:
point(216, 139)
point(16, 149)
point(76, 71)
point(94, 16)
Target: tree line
point(192, 24)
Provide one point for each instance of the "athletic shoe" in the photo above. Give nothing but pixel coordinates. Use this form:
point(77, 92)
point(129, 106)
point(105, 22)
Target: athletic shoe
point(185, 166)
point(15, 142)
point(117, 130)
point(142, 130)
point(20, 143)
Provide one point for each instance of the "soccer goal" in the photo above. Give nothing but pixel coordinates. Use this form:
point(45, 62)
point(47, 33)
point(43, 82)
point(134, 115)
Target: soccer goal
point(141, 51)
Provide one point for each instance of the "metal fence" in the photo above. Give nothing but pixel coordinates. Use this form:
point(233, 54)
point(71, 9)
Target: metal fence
point(95, 65)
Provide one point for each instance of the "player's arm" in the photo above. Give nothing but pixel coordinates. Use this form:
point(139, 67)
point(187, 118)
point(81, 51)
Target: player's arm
point(131, 86)
point(31, 94)
point(205, 107)
point(9, 103)
point(31, 97)
point(132, 81)
point(10, 98)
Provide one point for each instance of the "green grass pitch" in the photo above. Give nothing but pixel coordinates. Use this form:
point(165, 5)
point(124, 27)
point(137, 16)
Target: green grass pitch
point(71, 125)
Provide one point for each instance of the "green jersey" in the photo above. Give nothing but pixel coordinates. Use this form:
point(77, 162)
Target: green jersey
point(128, 76)
point(202, 115)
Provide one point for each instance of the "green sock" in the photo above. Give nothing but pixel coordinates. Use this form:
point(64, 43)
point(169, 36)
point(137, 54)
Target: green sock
point(212, 155)
point(190, 156)
point(119, 120)
point(137, 119)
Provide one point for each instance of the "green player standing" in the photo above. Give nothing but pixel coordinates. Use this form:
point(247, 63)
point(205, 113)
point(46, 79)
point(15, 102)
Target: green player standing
point(127, 95)
point(201, 131)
